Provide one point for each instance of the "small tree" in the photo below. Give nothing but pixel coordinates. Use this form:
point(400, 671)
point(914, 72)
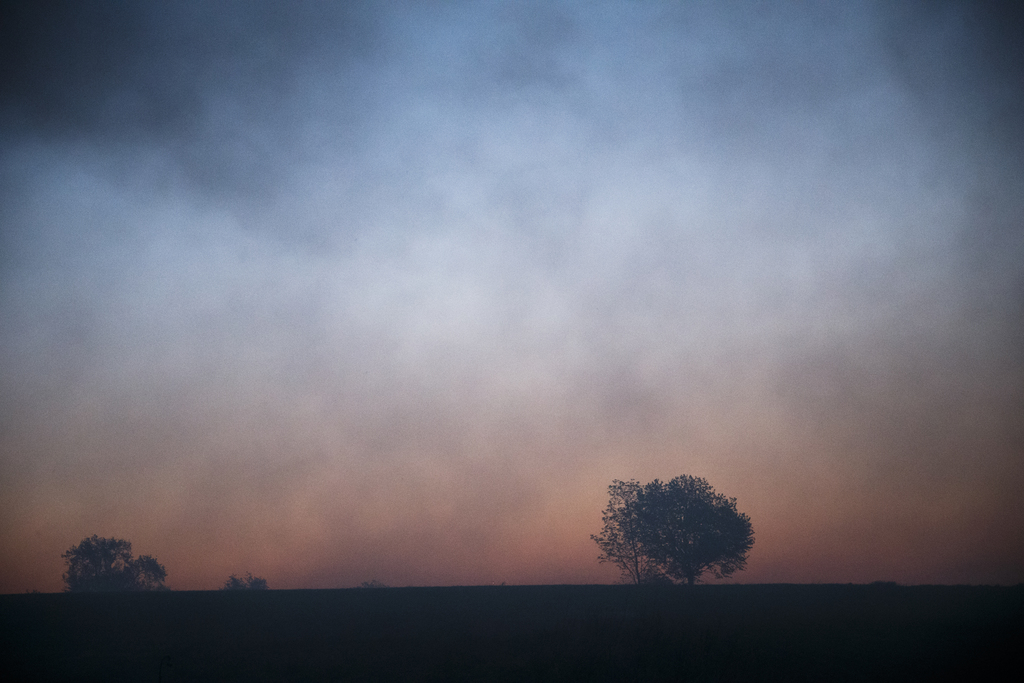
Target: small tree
point(106, 564)
point(620, 541)
point(248, 582)
point(677, 530)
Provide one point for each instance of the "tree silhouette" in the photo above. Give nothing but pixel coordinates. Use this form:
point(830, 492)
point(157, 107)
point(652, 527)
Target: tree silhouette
point(106, 564)
point(677, 530)
point(621, 541)
point(248, 582)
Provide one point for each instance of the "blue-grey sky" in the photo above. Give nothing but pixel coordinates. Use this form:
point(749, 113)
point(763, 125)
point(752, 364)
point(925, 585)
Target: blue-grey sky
point(333, 292)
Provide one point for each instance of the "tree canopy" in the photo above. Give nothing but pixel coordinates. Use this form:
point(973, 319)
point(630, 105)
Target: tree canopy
point(106, 564)
point(673, 531)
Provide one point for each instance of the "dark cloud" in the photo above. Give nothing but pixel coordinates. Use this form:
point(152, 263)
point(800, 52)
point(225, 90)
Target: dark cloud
point(217, 88)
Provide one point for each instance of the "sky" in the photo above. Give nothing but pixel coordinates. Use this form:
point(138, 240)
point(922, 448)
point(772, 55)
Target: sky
point(339, 292)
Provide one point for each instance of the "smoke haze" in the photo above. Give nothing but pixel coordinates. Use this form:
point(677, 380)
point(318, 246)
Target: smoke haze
point(339, 292)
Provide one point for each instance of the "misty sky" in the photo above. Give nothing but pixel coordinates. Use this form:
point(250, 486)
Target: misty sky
point(332, 292)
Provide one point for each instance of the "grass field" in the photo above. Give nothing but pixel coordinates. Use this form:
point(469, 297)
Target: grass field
point(519, 633)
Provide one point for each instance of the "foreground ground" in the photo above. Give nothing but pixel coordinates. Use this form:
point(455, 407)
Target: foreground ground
point(519, 633)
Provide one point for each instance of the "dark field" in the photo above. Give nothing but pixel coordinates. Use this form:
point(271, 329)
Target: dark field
point(519, 633)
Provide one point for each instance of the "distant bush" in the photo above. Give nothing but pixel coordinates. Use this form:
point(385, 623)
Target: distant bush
point(247, 583)
point(373, 584)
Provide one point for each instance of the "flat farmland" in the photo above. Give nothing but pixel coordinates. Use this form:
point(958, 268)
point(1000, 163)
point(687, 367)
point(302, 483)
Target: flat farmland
point(518, 633)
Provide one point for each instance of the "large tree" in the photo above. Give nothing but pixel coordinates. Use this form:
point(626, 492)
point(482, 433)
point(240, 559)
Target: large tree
point(106, 564)
point(677, 530)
